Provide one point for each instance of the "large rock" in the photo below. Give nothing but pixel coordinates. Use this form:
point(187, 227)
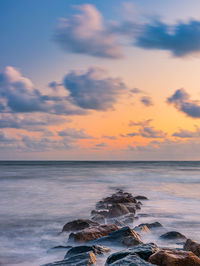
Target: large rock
point(118, 197)
point(123, 237)
point(154, 225)
point(78, 224)
point(117, 210)
point(131, 260)
point(167, 257)
point(173, 235)
point(96, 249)
point(193, 246)
point(84, 259)
point(144, 251)
point(92, 233)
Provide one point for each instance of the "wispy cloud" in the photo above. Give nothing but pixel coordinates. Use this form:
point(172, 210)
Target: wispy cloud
point(147, 101)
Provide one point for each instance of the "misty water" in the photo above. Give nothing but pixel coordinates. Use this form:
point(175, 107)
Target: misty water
point(38, 198)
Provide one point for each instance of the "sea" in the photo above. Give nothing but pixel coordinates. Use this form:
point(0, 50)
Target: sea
point(38, 197)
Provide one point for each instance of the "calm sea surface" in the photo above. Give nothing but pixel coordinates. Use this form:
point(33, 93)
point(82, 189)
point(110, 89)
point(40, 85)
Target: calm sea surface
point(38, 198)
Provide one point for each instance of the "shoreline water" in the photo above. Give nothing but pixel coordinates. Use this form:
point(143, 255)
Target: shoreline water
point(37, 199)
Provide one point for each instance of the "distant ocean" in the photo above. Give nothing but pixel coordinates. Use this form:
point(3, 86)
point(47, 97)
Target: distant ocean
point(38, 198)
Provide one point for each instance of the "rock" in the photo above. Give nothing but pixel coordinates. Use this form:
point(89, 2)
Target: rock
point(118, 197)
point(103, 213)
point(78, 224)
point(193, 246)
point(117, 210)
point(144, 251)
point(124, 237)
point(131, 207)
point(60, 247)
point(152, 225)
point(128, 219)
point(141, 197)
point(96, 249)
point(173, 235)
point(84, 259)
point(131, 260)
point(98, 218)
point(92, 233)
point(167, 257)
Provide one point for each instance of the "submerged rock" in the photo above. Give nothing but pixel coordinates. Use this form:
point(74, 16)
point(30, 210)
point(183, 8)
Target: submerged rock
point(92, 233)
point(84, 259)
point(131, 260)
point(123, 237)
point(193, 246)
point(139, 197)
point(173, 235)
point(144, 251)
point(98, 218)
point(151, 225)
point(78, 224)
point(167, 257)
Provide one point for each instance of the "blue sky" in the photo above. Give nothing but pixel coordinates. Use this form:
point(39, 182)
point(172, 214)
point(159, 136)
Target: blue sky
point(111, 66)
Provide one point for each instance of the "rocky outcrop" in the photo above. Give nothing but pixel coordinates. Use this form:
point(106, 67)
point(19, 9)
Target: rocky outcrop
point(173, 235)
point(139, 197)
point(144, 251)
point(191, 245)
point(122, 237)
point(84, 259)
point(167, 257)
point(96, 249)
point(92, 233)
point(131, 260)
point(78, 224)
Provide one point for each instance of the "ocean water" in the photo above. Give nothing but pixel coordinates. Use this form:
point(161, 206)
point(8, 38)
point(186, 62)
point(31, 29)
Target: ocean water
point(38, 198)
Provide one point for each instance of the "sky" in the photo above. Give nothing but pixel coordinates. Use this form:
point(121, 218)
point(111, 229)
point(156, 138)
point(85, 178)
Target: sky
point(99, 80)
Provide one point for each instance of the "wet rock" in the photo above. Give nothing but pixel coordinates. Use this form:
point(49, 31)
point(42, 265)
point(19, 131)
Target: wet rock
point(150, 226)
point(167, 257)
point(139, 197)
point(122, 237)
point(104, 213)
point(78, 224)
point(131, 207)
point(96, 249)
point(173, 235)
point(144, 251)
point(84, 259)
point(60, 247)
point(118, 197)
point(131, 260)
point(98, 218)
point(193, 246)
point(117, 210)
point(128, 219)
point(92, 233)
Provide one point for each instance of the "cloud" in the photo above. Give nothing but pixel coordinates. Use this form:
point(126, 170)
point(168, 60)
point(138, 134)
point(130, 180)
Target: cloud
point(181, 100)
point(93, 89)
point(136, 91)
point(109, 137)
point(146, 100)
point(151, 132)
point(32, 123)
point(74, 134)
point(18, 95)
point(180, 39)
point(182, 133)
point(85, 33)
point(133, 134)
point(140, 123)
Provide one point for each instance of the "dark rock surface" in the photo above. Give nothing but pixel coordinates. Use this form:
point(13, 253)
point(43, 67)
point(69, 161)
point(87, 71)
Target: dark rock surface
point(96, 249)
point(131, 260)
point(139, 197)
point(84, 259)
point(92, 233)
point(78, 224)
point(191, 245)
point(122, 237)
point(173, 235)
point(144, 251)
